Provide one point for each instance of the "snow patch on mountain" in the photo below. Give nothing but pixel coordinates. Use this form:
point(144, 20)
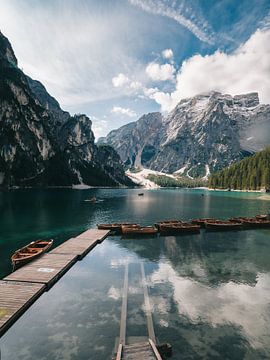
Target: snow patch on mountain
point(199, 136)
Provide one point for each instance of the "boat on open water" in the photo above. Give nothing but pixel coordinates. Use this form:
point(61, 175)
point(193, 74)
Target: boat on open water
point(167, 222)
point(117, 227)
point(256, 223)
point(220, 225)
point(30, 252)
point(202, 221)
point(179, 228)
point(139, 230)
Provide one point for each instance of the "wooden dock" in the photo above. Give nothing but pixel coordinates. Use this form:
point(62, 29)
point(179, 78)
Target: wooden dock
point(15, 298)
point(22, 287)
point(142, 349)
point(45, 270)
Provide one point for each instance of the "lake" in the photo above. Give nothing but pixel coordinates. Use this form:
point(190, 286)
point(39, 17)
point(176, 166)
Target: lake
point(210, 293)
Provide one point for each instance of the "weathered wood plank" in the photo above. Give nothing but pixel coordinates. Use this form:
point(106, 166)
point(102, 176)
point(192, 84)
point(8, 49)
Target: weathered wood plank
point(46, 270)
point(75, 246)
point(15, 298)
point(139, 351)
point(94, 234)
point(154, 348)
point(119, 352)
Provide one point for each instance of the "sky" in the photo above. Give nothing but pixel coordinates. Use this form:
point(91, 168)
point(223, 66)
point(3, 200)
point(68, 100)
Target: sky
point(115, 60)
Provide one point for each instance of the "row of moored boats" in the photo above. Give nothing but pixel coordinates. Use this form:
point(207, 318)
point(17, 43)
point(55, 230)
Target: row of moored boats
point(179, 227)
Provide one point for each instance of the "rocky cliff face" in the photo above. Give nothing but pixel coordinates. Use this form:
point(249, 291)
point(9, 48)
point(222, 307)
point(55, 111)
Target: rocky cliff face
point(201, 135)
point(40, 144)
point(137, 142)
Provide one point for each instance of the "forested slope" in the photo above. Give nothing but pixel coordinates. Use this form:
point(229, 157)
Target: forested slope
point(252, 173)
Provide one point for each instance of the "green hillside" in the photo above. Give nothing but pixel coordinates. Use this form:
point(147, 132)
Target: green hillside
point(252, 173)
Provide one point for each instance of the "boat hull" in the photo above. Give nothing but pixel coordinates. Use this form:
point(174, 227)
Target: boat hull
point(229, 226)
point(179, 229)
point(201, 222)
point(139, 230)
point(18, 259)
point(117, 228)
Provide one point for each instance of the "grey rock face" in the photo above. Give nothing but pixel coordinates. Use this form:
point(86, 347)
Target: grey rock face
point(137, 142)
point(204, 133)
point(40, 144)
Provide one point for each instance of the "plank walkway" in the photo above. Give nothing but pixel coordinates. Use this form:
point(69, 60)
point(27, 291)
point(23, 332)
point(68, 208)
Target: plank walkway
point(97, 234)
point(77, 246)
point(139, 350)
point(45, 270)
point(22, 287)
point(15, 298)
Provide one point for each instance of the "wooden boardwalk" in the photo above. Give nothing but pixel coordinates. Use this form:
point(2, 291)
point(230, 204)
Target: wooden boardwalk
point(97, 234)
point(22, 287)
point(145, 349)
point(15, 298)
point(77, 246)
point(45, 270)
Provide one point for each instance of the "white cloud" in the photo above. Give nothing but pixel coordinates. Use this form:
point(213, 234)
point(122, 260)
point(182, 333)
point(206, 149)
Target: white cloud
point(159, 72)
point(78, 37)
point(199, 27)
point(135, 85)
point(163, 99)
point(245, 70)
point(114, 293)
point(129, 86)
point(99, 126)
point(167, 54)
point(224, 304)
point(120, 80)
point(123, 111)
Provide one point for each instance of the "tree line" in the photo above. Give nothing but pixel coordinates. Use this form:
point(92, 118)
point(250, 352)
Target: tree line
point(252, 173)
point(166, 181)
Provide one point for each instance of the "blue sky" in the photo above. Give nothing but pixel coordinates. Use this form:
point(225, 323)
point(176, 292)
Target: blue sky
point(118, 59)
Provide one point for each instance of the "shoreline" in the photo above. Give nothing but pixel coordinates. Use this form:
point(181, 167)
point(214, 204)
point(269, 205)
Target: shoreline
point(237, 190)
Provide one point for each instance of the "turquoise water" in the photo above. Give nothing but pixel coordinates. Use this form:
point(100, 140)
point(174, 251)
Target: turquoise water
point(210, 293)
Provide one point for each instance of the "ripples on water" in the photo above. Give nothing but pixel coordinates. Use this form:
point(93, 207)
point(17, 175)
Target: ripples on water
point(210, 293)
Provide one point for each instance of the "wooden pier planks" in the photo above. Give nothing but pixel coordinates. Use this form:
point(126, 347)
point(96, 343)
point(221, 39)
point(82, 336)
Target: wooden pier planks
point(146, 350)
point(76, 246)
point(21, 288)
point(45, 270)
point(92, 234)
point(140, 349)
point(82, 244)
point(15, 298)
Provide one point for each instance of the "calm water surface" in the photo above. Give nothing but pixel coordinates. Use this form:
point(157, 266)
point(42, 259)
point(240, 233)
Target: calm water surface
point(210, 293)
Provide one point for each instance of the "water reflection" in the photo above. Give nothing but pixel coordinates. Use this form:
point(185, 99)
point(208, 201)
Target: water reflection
point(210, 292)
point(229, 303)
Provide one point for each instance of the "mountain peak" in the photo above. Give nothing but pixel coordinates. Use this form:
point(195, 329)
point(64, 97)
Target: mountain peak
point(6, 50)
point(247, 100)
point(201, 134)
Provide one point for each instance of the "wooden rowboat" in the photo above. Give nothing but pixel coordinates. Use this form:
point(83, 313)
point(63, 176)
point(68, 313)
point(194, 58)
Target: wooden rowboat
point(238, 219)
point(139, 230)
point(179, 228)
point(250, 223)
point(262, 217)
point(167, 222)
point(114, 227)
point(255, 223)
point(220, 225)
point(202, 221)
point(30, 252)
